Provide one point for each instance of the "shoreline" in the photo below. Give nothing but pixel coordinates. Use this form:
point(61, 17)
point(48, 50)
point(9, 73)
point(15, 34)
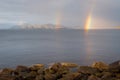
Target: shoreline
point(63, 71)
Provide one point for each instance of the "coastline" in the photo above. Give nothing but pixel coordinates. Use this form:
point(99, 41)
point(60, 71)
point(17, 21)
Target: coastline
point(63, 71)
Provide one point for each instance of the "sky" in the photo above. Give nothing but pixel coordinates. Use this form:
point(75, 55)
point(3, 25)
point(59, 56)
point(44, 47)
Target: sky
point(71, 13)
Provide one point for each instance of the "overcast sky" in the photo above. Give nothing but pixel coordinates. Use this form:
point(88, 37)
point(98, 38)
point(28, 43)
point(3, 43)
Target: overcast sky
point(105, 13)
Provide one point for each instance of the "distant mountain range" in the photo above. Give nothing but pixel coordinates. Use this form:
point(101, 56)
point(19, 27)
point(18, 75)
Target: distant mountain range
point(37, 26)
point(42, 26)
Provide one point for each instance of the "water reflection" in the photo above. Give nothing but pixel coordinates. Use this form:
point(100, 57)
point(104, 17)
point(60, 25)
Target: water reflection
point(89, 48)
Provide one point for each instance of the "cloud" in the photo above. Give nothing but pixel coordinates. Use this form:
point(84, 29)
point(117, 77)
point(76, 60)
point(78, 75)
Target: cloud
point(70, 12)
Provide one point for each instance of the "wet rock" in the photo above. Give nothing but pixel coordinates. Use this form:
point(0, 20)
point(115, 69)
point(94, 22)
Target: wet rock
point(87, 70)
point(32, 74)
point(98, 74)
point(116, 63)
point(21, 68)
point(39, 77)
point(57, 67)
point(6, 78)
point(6, 71)
point(26, 76)
point(41, 70)
point(36, 67)
point(115, 67)
point(92, 77)
point(100, 65)
point(72, 76)
point(110, 78)
point(118, 75)
point(69, 65)
point(6, 74)
point(106, 75)
point(62, 71)
point(49, 76)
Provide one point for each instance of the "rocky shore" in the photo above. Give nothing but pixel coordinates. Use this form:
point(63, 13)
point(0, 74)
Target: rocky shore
point(63, 71)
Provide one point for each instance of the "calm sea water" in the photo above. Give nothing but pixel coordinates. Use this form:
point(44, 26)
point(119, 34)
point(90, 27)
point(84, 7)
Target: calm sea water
point(27, 47)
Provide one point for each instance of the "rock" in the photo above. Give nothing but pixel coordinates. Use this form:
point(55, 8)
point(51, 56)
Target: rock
point(57, 67)
point(118, 75)
point(69, 65)
point(87, 70)
point(49, 76)
point(36, 67)
point(62, 71)
point(41, 70)
point(115, 67)
point(6, 78)
point(116, 63)
point(39, 77)
point(26, 75)
point(100, 65)
point(92, 77)
point(99, 74)
point(32, 74)
point(6, 71)
point(21, 68)
point(58, 70)
point(6, 74)
point(72, 76)
point(110, 78)
point(106, 75)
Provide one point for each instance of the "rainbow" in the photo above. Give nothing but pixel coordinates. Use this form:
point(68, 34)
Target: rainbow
point(88, 22)
point(58, 20)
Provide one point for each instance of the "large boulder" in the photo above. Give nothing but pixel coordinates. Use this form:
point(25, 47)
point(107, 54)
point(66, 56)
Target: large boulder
point(7, 74)
point(72, 76)
point(115, 67)
point(49, 76)
point(58, 68)
point(7, 71)
point(21, 68)
point(100, 65)
point(39, 77)
point(87, 70)
point(106, 75)
point(36, 67)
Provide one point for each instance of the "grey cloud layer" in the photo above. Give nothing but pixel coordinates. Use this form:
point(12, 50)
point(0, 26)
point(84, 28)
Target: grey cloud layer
point(73, 12)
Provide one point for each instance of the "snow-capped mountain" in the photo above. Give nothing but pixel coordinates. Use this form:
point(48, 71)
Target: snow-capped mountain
point(36, 26)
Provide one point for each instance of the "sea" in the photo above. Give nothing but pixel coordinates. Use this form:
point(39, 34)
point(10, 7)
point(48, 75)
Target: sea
point(46, 46)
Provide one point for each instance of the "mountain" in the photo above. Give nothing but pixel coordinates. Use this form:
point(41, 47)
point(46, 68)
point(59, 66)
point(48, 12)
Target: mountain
point(5, 25)
point(36, 26)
